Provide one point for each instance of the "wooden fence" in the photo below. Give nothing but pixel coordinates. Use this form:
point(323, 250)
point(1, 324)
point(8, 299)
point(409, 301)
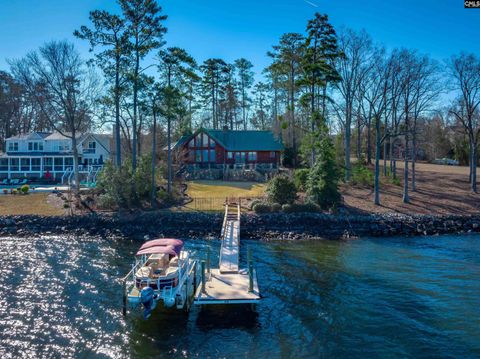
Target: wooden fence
point(217, 203)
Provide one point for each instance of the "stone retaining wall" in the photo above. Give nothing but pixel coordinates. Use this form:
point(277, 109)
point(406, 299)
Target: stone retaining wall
point(268, 226)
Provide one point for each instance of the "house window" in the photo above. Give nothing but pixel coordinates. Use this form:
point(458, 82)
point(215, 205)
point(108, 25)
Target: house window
point(14, 164)
point(212, 143)
point(25, 164)
point(204, 155)
point(252, 156)
point(230, 155)
point(35, 146)
point(240, 157)
point(92, 146)
point(35, 164)
point(204, 140)
point(58, 164)
point(13, 146)
point(198, 156)
point(68, 161)
point(47, 163)
point(212, 155)
point(3, 164)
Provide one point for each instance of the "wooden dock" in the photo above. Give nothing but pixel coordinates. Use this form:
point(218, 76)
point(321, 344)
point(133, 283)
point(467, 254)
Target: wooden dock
point(228, 284)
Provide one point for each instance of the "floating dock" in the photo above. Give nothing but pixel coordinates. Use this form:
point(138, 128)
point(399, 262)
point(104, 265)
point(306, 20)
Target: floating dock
point(228, 284)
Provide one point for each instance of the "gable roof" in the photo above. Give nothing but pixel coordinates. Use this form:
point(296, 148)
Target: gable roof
point(181, 141)
point(31, 136)
point(248, 140)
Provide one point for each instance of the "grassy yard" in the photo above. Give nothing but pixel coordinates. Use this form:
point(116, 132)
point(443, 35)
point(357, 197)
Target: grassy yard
point(33, 203)
point(210, 195)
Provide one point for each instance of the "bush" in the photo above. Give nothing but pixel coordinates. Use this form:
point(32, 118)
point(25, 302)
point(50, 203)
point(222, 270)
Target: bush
point(5, 191)
point(276, 207)
point(281, 189)
point(262, 208)
point(361, 175)
point(123, 187)
point(254, 202)
point(66, 205)
point(300, 178)
point(299, 207)
point(25, 188)
point(14, 191)
point(396, 181)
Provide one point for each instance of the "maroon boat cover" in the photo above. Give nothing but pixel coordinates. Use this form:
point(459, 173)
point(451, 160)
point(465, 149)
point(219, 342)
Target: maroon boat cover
point(162, 245)
point(158, 250)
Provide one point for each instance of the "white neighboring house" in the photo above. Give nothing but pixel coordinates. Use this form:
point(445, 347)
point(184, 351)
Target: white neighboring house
point(45, 154)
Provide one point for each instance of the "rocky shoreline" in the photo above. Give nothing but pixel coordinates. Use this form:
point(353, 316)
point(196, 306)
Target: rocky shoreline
point(293, 226)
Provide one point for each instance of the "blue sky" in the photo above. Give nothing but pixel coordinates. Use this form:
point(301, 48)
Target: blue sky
point(230, 29)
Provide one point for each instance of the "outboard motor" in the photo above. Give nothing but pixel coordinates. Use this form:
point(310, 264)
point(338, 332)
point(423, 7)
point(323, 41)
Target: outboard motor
point(149, 300)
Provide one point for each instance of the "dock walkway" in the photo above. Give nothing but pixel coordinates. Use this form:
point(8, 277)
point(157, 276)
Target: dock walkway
point(228, 284)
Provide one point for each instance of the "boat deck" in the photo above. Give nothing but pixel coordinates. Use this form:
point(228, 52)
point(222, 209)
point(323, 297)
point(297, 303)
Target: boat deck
point(227, 288)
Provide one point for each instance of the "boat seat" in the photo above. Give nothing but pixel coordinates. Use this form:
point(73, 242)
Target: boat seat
point(171, 270)
point(174, 262)
point(144, 272)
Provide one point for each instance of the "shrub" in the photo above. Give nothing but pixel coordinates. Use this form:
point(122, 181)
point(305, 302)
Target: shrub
point(262, 208)
point(124, 187)
point(105, 201)
point(281, 189)
point(254, 202)
point(5, 191)
point(396, 181)
point(25, 188)
point(14, 191)
point(299, 207)
point(300, 178)
point(276, 207)
point(66, 205)
point(361, 175)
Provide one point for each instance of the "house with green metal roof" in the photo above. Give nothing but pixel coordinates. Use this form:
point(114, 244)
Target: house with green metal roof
point(229, 147)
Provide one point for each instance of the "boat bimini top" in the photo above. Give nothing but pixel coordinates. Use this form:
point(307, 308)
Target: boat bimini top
point(168, 246)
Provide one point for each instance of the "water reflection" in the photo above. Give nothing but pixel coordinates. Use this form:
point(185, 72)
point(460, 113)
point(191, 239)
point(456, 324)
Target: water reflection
point(416, 297)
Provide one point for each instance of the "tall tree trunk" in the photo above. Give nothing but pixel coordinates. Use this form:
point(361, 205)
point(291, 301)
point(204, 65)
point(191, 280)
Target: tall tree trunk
point(377, 162)
point(169, 155)
point(369, 142)
point(414, 160)
point(76, 173)
point(153, 194)
point(118, 147)
point(348, 129)
point(135, 105)
point(406, 198)
point(474, 166)
point(359, 138)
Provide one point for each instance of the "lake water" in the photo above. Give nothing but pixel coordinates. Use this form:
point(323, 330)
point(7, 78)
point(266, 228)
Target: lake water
point(366, 298)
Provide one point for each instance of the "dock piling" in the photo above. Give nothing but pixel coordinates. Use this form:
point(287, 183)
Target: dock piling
point(208, 259)
point(124, 299)
point(203, 277)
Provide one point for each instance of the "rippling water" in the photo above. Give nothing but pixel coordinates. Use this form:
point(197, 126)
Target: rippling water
point(415, 297)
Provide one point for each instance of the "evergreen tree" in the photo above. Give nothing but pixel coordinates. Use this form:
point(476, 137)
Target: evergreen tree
point(109, 32)
point(145, 31)
point(322, 183)
point(245, 82)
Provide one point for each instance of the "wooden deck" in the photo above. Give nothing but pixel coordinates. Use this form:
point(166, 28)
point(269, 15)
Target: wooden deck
point(231, 288)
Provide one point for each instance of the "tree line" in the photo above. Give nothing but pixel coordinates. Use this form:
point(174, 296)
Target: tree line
point(321, 82)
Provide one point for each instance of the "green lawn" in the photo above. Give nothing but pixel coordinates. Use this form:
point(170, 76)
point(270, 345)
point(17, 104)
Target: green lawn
point(210, 195)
